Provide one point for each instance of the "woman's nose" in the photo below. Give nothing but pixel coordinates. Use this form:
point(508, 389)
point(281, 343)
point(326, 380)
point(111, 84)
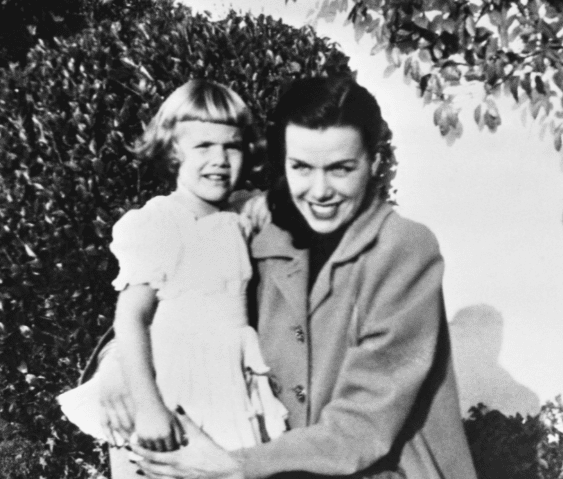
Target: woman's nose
point(320, 188)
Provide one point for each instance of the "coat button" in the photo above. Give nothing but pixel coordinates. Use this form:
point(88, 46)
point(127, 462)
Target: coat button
point(299, 334)
point(300, 393)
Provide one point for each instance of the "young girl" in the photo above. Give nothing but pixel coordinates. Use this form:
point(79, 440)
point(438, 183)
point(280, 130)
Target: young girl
point(181, 322)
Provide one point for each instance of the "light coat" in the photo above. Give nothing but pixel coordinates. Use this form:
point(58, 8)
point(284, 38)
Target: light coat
point(362, 363)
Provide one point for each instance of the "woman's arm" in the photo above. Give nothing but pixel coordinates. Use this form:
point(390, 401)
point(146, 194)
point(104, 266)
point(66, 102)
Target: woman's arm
point(156, 427)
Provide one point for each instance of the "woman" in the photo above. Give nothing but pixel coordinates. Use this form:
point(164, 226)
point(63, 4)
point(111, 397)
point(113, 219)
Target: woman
point(351, 317)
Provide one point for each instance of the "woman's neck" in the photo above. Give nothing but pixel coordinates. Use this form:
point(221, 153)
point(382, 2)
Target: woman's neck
point(197, 205)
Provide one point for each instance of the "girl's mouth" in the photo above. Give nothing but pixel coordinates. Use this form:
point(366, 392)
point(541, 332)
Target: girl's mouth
point(217, 177)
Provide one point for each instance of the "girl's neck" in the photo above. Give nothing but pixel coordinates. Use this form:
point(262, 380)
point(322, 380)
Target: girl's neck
point(196, 205)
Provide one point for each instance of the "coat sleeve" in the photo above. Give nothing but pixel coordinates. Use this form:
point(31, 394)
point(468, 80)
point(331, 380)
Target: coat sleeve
point(396, 333)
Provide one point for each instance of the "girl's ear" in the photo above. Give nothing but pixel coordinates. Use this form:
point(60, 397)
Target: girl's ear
point(375, 164)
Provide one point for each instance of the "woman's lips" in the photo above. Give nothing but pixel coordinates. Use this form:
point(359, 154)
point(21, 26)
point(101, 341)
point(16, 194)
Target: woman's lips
point(324, 211)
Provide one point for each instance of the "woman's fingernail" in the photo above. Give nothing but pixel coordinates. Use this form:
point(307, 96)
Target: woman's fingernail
point(180, 410)
point(132, 461)
point(141, 473)
point(128, 448)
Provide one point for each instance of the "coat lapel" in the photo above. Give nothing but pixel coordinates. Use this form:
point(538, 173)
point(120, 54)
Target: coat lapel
point(290, 272)
point(361, 233)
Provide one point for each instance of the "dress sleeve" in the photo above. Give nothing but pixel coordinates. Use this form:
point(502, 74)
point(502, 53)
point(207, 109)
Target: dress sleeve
point(396, 339)
point(146, 245)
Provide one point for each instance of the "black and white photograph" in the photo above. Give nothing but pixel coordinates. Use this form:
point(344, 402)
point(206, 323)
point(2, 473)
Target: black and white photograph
point(287, 239)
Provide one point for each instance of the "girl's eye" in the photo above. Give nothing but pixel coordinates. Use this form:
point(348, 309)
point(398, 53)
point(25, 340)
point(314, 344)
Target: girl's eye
point(203, 146)
point(234, 147)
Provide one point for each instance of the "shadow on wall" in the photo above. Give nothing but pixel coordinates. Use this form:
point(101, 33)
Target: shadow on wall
point(476, 333)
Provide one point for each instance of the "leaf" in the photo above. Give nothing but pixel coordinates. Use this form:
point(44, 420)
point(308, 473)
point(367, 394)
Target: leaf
point(424, 83)
point(438, 114)
point(389, 70)
point(558, 78)
point(407, 66)
point(540, 87)
point(294, 67)
point(513, 85)
point(395, 57)
point(29, 251)
point(425, 56)
point(451, 73)
point(535, 109)
point(22, 367)
point(470, 25)
point(526, 84)
point(448, 25)
point(495, 17)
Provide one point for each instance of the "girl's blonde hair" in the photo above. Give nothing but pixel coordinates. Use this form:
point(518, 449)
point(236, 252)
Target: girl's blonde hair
point(196, 100)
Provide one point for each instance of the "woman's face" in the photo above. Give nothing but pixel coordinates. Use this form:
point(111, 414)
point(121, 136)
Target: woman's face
point(328, 171)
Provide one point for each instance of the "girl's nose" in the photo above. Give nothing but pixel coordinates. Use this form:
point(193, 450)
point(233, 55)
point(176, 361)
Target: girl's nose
point(220, 155)
point(321, 189)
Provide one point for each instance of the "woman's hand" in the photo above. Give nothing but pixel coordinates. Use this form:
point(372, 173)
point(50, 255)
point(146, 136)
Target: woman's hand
point(117, 408)
point(158, 429)
point(202, 458)
point(256, 210)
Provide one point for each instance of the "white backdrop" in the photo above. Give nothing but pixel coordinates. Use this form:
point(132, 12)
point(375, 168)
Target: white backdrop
point(495, 201)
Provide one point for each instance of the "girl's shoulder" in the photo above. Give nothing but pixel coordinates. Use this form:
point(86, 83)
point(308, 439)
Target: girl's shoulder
point(153, 226)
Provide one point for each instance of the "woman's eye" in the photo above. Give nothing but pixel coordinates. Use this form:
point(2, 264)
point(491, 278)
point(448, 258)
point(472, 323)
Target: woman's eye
point(341, 170)
point(301, 167)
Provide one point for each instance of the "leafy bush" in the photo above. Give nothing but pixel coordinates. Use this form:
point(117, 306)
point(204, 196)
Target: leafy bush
point(66, 176)
point(24, 22)
point(516, 448)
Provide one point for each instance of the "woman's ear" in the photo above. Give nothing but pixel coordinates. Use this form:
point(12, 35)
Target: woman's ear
point(375, 164)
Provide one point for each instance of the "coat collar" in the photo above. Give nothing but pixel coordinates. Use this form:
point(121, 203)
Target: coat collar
point(273, 242)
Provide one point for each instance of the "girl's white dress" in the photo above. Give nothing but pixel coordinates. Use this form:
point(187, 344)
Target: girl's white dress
point(206, 357)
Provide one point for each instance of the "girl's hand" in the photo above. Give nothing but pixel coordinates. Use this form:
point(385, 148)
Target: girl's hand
point(202, 459)
point(158, 429)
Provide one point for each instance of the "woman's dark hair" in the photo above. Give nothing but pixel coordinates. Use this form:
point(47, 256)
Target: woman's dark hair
point(319, 103)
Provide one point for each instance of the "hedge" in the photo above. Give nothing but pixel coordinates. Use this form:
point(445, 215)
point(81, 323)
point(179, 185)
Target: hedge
point(67, 115)
point(24, 22)
point(66, 175)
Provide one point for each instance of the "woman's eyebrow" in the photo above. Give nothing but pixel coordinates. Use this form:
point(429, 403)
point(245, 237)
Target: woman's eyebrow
point(297, 160)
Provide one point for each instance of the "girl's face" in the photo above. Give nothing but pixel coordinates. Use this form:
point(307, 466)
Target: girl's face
point(328, 171)
point(210, 156)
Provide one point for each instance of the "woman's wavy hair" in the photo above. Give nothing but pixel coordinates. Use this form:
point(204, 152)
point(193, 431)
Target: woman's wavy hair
point(318, 103)
point(196, 100)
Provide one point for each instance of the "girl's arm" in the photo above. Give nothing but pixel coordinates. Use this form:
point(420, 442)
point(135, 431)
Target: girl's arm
point(156, 427)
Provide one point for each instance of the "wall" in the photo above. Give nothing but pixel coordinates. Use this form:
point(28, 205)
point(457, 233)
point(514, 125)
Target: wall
point(495, 201)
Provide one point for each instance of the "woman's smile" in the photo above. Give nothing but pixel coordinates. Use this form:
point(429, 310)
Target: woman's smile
point(324, 211)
